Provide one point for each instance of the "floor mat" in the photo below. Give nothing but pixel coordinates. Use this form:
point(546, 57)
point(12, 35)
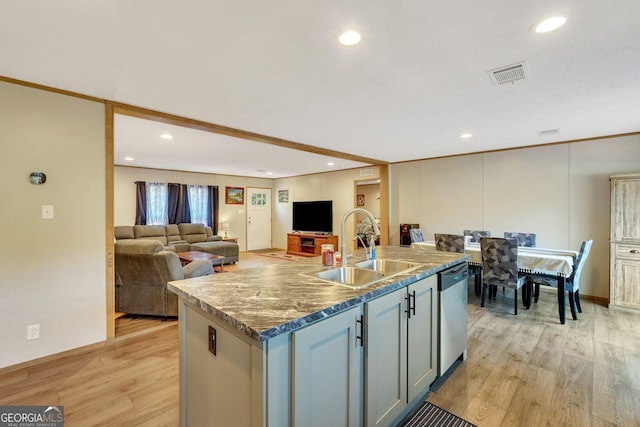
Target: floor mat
point(280, 255)
point(430, 415)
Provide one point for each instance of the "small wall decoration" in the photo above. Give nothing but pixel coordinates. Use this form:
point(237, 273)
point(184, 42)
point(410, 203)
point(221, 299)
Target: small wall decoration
point(283, 196)
point(235, 195)
point(37, 178)
point(360, 200)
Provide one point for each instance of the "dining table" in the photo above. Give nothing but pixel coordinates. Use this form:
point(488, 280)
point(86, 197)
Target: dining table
point(541, 262)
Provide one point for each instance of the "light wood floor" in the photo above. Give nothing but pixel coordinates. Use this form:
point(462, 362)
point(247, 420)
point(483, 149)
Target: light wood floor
point(525, 370)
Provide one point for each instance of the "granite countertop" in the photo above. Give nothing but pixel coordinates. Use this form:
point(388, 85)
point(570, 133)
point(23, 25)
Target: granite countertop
point(267, 301)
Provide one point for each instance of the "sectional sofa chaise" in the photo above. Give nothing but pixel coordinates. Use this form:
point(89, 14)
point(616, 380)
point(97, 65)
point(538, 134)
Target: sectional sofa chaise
point(181, 238)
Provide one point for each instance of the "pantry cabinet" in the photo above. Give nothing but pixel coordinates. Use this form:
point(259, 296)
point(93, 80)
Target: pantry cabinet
point(625, 241)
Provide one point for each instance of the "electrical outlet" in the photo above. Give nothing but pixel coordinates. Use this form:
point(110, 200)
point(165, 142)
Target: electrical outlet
point(213, 340)
point(33, 332)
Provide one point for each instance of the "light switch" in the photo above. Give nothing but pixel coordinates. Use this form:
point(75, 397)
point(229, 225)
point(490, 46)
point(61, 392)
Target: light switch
point(47, 212)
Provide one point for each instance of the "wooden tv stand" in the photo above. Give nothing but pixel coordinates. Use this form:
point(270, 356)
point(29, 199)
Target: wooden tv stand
point(309, 244)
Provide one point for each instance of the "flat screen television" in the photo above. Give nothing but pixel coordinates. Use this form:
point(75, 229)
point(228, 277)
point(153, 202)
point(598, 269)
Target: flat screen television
point(313, 217)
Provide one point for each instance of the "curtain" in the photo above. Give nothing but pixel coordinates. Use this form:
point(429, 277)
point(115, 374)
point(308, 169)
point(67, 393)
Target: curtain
point(183, 214)
point(212, 210)
point(157, 197)
point(199, 204)
point(172, 202)
point(178, 203)
point(141, 203)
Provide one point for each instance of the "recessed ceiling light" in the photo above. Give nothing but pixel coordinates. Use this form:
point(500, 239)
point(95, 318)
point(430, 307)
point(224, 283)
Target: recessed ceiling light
point(269, 173)
point(349, 38)
point(550, 24)
point(331, 164)
point(166, 136)
point(129, 159)
point(466, 135)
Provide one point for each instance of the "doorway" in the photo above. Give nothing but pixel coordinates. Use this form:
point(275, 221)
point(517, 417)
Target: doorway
point(258, 218)
point(367, 197)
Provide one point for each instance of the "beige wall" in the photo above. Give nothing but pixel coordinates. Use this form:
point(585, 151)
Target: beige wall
point(53, 271)
point(125, 194)
point(560, 192)
point(337, 186)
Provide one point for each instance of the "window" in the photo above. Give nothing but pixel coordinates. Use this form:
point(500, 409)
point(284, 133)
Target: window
point(198, 204)
point(157, 197)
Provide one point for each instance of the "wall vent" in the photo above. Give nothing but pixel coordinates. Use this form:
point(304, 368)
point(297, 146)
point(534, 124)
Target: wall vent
point(548, 132)
point(366, 172)
point(508, 74)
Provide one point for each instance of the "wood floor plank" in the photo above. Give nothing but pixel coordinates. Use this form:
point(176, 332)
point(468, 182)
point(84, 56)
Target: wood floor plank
point(531, 398)
point(613, 397)
point(571, 402)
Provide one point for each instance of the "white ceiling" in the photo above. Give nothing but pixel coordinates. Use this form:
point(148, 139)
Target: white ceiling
point(417, 80)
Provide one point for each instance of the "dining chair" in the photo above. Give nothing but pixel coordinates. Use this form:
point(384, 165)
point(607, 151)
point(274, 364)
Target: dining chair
point(500, 268)
point(416, 235)
point(455, 243)
point(571, 283)
point(477, 234)
point(524, 239)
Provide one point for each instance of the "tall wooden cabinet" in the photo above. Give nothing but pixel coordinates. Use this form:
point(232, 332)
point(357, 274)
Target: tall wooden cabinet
point(625, 241)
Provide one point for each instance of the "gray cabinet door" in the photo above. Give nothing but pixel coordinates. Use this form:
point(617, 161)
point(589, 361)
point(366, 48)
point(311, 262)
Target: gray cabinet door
point(422, 339)
point(327, 372)
point(386, 358)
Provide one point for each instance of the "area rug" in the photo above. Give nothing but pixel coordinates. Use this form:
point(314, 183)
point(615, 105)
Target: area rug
point(281, 255)
point(430, 415)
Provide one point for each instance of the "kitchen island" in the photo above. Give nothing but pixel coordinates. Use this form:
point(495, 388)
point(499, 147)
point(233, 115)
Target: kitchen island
point(273, 346)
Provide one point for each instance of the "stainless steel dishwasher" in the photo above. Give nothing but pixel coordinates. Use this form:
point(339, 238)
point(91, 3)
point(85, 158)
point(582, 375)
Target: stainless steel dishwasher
point(452, 317)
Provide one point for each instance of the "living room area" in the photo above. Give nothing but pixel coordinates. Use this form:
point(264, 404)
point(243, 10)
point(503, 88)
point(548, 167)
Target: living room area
point(232, 218)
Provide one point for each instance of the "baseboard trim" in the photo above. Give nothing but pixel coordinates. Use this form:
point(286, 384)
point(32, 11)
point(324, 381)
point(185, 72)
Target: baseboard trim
point(55, 356)
point(598, 300)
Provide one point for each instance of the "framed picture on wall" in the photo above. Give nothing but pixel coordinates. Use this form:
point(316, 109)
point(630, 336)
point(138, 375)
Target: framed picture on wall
point(360, 200)
point(283, 196)
point(235, 195)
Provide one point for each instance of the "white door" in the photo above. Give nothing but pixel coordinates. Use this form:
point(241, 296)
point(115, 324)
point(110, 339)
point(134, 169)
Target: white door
point(258, 218)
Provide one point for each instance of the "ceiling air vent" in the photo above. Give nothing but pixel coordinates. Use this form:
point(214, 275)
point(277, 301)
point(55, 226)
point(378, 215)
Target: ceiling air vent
point(548, 132)
point(508, 74)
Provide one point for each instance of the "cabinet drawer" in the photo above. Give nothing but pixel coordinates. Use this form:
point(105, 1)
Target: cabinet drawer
point(628, 251)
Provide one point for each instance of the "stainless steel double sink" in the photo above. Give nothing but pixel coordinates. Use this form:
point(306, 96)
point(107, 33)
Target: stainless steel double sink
point(364, 273)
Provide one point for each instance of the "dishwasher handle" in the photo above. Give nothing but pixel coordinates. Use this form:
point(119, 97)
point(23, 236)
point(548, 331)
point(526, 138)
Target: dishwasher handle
point(454, 275)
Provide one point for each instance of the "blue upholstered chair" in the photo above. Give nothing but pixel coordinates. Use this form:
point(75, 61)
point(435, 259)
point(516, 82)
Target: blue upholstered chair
point(571, 284)
point(524, 239)
point(455, 243)
point(416, 235)
point(477, 234)
point(500, 268)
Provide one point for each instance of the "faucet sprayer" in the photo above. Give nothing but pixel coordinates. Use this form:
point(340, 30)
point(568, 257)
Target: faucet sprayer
point(343, 230)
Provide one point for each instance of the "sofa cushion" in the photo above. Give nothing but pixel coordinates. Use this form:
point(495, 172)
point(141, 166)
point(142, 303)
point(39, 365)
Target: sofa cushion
point(138, 247)
point(121, 232)
point(173, 233)
point(192, 233)
point(201, 267)
point(228, 250)
point(153, 232)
